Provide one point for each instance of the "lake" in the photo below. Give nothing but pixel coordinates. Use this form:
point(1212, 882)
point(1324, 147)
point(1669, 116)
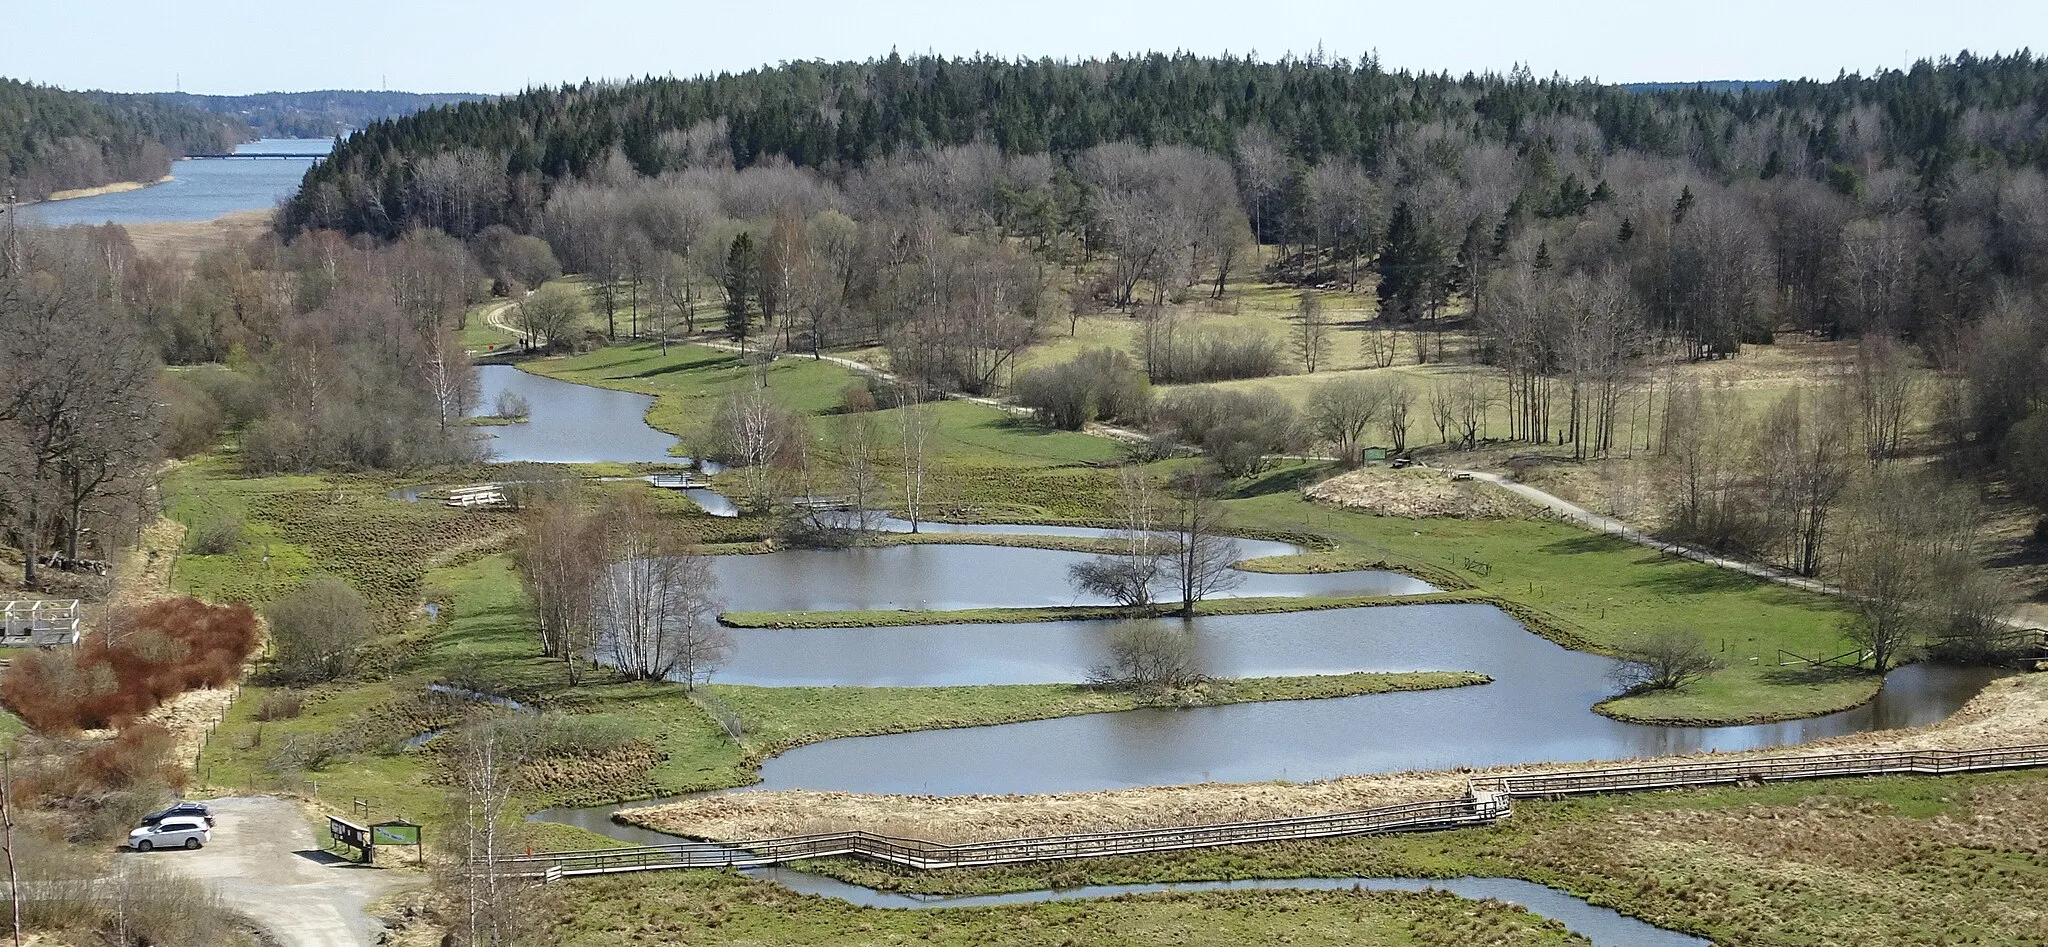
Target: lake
point(199, 189)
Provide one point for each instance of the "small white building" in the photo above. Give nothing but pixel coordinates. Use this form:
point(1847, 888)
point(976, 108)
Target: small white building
point(39, 623)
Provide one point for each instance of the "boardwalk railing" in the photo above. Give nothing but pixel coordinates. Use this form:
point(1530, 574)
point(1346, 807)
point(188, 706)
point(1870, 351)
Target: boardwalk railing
point(1480, 809)
point(1768, 769)
point(1489, 801)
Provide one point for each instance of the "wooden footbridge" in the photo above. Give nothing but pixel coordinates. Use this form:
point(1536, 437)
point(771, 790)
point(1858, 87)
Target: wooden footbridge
point(1487, 800)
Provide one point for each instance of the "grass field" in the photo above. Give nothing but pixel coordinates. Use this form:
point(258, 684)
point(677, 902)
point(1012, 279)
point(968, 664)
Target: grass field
point(1603, 589)
point(1875, 860)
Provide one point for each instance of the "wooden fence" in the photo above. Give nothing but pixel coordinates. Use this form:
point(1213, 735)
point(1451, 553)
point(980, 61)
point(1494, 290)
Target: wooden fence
point(1488, 801)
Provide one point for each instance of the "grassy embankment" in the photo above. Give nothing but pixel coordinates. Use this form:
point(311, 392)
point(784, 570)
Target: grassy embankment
point(1878, 860)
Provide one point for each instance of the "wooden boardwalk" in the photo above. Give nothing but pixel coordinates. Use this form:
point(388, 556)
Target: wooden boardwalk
point(1489, 800)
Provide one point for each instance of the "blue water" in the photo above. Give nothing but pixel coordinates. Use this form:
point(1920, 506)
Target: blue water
point(1603, 926)
point(199, 189)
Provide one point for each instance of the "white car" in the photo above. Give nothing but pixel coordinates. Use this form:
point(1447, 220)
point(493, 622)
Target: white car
point(180, 831)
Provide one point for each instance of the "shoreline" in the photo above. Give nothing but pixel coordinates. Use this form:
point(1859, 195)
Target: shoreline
point(114, 187)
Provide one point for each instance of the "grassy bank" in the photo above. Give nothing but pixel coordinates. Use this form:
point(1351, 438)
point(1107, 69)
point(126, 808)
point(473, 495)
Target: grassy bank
point(697, 906)
point(1878, 860)
point(1596, 592)
point(782, 718)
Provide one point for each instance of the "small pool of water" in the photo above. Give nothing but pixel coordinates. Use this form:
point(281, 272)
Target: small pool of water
point(1538, 708)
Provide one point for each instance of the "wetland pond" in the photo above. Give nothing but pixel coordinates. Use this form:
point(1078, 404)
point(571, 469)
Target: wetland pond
point(1537, 709)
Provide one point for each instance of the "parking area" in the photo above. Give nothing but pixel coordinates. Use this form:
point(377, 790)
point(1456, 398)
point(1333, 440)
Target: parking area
point(266, 862)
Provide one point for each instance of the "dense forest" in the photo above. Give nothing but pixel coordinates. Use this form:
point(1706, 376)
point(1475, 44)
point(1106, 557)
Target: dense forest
point(1926, 123)
point(324, 114)
point(53, 140)
point(955, 210)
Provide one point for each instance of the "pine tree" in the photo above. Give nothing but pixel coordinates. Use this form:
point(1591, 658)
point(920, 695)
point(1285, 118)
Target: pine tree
point(1684, 205)
point(742, 270)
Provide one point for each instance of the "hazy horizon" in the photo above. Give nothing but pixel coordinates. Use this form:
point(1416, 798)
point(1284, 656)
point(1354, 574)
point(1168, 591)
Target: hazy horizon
point(238, 48)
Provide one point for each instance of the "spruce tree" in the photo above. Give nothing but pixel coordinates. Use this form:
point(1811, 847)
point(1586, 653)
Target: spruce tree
point(741, 271)
point(1406, 264)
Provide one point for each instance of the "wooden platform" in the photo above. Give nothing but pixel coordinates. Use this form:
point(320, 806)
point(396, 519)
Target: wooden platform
point(44, 623)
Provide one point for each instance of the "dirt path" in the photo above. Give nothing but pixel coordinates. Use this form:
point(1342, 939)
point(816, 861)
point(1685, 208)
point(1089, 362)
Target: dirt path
point(1572, 512)
point(495, 318)
point(265, 862)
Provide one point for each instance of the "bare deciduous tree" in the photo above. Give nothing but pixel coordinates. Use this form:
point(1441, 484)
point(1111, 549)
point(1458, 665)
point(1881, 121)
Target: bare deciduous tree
point(548, 314)
point(560, 556)
point(1202, 557)
point(918, 426)
point(1666, 659)
point(655, 600)
point(1127, 578)
point(1311, 332)
point(1341, 410)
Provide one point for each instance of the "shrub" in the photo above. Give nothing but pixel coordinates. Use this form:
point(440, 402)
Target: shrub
point(318, 630)
point(217, 538)
point(1149, 655)
point(1103, 384)
point(280, 705)
point(511, 404)
point(134, 661)
point(140, 755)
point(1210, 353)
point(1668, 659)
point(1241, 430)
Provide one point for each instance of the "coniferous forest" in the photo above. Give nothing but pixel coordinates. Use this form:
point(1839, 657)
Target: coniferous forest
point(57, 140)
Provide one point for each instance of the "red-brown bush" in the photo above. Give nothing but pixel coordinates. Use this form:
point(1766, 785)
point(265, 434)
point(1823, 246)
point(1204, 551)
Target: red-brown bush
point(138, 659)
point(140, 755)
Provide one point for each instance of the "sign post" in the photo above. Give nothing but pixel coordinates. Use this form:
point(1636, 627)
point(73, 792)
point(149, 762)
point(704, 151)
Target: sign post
point(354, 836)
point(399, 832)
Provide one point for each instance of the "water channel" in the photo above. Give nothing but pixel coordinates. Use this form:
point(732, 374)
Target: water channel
point(1603, 926)
point(570, 423)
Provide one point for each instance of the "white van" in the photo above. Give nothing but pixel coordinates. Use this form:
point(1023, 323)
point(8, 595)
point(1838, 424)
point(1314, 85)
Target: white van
point(181, 831)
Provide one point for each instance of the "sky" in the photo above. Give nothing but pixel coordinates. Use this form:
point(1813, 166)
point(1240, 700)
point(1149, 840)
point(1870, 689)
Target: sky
point(238, 46)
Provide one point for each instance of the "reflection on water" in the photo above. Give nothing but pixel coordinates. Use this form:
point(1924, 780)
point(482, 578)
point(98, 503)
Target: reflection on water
point(1538, 709)
point(945, 576)
point(570, 423)
point(1602, 926)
